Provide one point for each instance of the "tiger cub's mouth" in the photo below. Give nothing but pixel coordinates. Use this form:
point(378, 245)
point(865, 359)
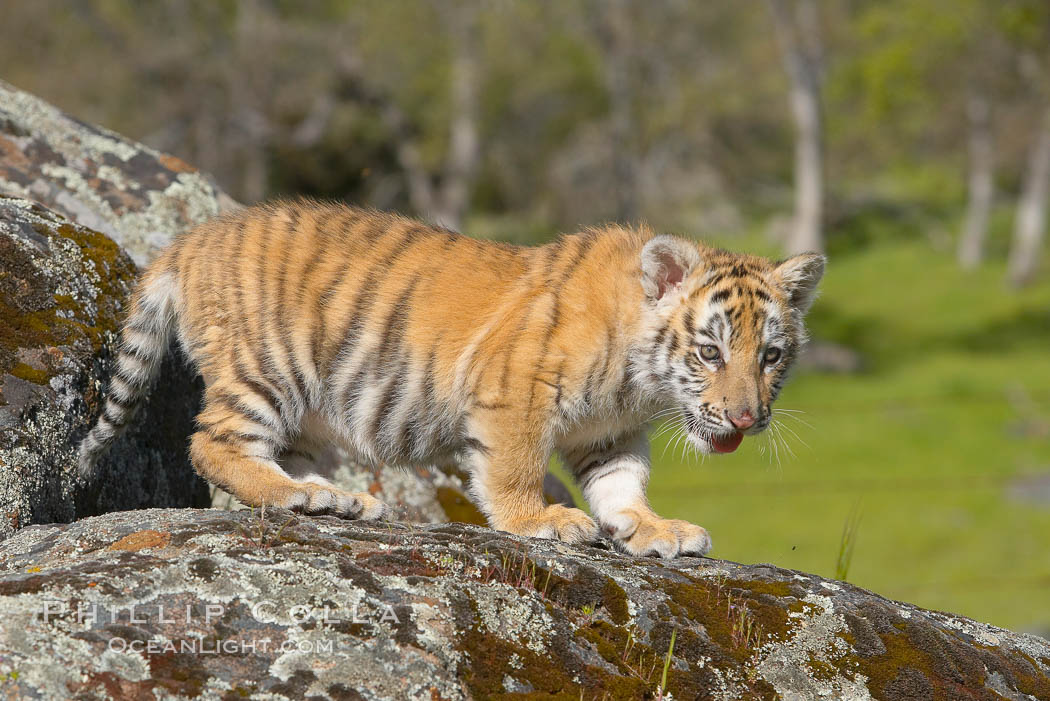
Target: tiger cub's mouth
point(718, 440)
point(726, 443)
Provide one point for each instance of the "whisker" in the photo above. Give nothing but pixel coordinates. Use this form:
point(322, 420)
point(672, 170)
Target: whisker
point(681, 435)
point(777, 428)
point(666, 426)
point(789, 430)
point(794, 417)
point(676, 436)
point(663, 412)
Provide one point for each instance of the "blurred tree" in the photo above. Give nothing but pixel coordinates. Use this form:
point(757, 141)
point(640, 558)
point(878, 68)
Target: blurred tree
point(616, 30)
point(797, 26)
point(1028, 24)
point(981, 182)
point(1030, 221)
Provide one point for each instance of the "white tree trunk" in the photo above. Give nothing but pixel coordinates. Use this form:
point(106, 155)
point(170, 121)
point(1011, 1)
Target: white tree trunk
point(981, 184)
point(798, 34)
point(616, 34)
point(1030, 222)
point(461, 162)
point(808, 234)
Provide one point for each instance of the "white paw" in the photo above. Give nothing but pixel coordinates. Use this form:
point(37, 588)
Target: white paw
point(652, 535)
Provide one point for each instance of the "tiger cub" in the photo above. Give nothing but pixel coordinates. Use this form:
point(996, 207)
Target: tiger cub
point(412, 345)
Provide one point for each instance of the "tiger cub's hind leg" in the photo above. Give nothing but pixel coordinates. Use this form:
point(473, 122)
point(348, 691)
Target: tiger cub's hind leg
point(239, 453)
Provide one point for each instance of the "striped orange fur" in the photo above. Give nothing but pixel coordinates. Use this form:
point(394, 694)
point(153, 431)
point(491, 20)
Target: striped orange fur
point(316, 323)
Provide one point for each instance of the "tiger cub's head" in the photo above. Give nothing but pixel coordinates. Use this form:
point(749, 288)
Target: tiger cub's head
point(722, 330)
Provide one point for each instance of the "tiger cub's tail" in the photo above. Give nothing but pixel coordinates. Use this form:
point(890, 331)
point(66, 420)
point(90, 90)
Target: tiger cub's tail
point(144, 343)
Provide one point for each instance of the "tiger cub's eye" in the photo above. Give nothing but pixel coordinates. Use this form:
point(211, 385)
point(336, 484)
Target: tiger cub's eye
point(709, 352)
point(772, 356)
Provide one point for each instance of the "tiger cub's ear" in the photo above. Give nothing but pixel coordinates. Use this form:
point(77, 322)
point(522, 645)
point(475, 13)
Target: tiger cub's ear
point(666, 262)
point(798, 276)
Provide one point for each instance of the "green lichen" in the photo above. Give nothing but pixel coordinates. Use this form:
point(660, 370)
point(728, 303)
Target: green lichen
point(614, 599)
point(719, 605)
point(30, 374)
point(491, 658)
point(33, 316)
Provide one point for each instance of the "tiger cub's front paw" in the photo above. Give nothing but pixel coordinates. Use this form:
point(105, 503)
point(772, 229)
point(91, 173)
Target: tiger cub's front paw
point(642, 533)
point(556, 522)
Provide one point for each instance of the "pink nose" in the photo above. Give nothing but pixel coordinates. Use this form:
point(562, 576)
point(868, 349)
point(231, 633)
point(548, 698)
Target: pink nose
point(744, 421)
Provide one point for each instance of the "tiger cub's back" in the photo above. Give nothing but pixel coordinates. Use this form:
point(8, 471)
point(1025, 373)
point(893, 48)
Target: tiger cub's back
point(358, 315)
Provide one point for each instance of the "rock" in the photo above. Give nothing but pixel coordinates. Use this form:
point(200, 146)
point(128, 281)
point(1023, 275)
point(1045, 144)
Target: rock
point(62, 287)
point(209, 604)
point(829, 357)
point(139, 197)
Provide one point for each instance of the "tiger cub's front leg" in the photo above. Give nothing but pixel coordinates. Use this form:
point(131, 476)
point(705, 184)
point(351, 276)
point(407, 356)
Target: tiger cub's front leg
point(507, 466)
point(613, 480)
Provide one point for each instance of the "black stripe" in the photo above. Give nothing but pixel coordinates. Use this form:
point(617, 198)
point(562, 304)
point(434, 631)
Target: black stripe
point(720, 296)
point(119, 403)
point(586, 241)
point(236, 404)
point(689, 321)
point(326, 290)
point(394, 326)
point(359, 313)
point(609, 342)
point(262, 389)
point(476, 445)
point(232, 437)
point(551, 252)
point(265, 365)
point(387, 403)
point(719, 277)
point(246, 336)
point(660, 335)
point(409, 437)
point(117, 420)
point(673, 344)
point(136, 352)
point(393, 333)
point(283, 328)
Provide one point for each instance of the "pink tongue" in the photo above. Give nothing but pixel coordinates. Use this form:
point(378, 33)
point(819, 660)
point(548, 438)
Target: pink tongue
point(727, 444)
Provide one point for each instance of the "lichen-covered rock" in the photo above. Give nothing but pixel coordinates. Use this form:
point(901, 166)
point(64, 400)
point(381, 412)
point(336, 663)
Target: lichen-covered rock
point(62, 287)
point(209, 604)
point(137, 196)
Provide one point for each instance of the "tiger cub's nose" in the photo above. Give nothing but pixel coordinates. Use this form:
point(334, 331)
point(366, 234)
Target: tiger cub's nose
point(742, 421)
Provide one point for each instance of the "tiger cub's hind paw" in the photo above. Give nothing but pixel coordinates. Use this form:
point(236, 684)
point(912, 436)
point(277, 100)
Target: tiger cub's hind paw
point(315, 496)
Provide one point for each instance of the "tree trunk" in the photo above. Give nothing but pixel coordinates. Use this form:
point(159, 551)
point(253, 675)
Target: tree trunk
point(616, 33)
point(461, 162)
point(444, 197)
point(1030, 223)
point(799, 39)
point(981, 185)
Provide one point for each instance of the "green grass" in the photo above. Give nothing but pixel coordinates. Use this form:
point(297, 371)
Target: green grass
point(954, 404)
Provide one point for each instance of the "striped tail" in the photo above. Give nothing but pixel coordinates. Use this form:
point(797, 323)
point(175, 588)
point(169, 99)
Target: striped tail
point(144, 343)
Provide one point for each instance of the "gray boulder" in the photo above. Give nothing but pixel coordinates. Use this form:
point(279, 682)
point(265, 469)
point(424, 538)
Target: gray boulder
point(62, 290)
point(137, 196)
point(208, 604)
